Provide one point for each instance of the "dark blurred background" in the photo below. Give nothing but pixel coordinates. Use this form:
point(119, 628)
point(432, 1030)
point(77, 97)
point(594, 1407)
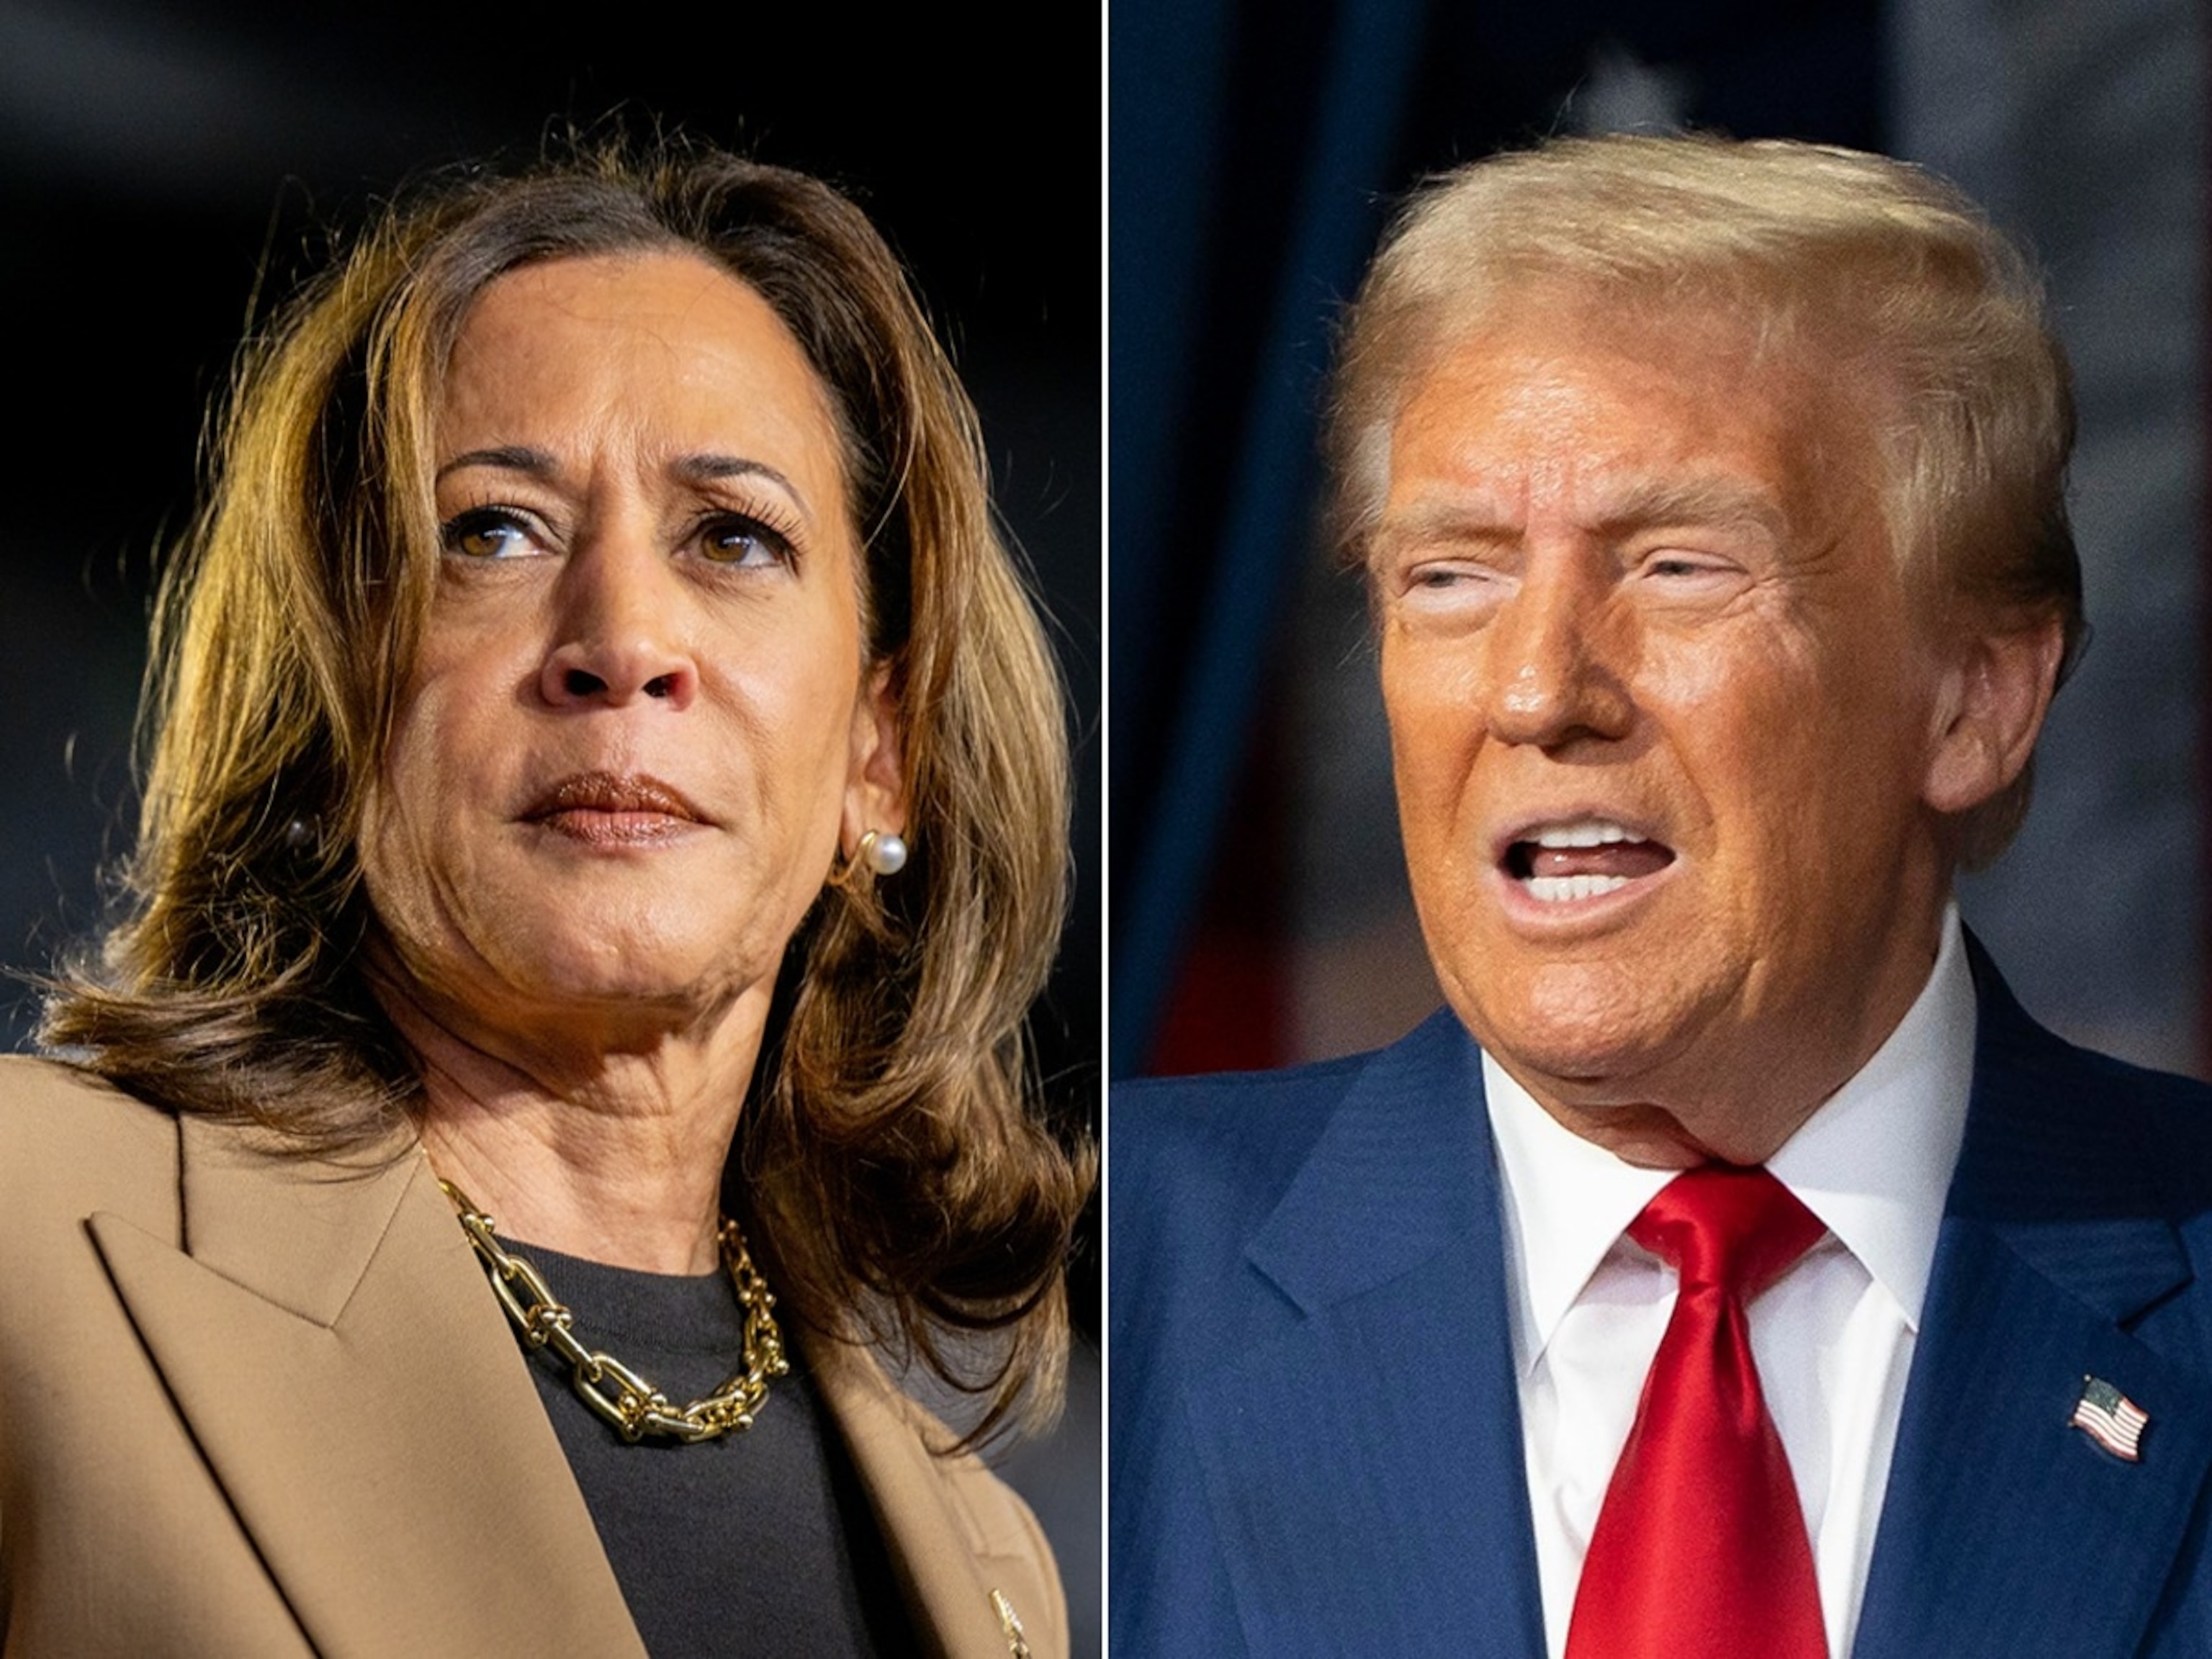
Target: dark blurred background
point(1259, 912)
point(157, 158)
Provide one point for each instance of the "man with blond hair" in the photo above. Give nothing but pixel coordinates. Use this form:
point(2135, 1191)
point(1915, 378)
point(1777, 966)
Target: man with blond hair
point(1731, 1267)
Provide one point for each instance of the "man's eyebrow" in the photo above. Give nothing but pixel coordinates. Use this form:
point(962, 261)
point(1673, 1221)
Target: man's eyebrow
point(1428, 523)
point(1713, 503)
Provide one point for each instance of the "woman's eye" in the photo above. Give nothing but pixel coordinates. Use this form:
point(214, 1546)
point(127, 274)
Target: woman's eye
point(738, 539)
point(485, 533)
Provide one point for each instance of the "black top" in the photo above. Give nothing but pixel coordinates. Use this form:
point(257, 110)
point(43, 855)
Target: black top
point(758, 1542)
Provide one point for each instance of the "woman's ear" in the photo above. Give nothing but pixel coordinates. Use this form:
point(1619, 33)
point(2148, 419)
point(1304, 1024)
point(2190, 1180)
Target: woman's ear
point(875, 787)
point(1994, 696)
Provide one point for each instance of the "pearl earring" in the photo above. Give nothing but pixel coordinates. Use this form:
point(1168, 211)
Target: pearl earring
point(883, 852)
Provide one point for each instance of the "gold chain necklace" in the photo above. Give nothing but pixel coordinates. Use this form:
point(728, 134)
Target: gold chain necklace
point(634, 1406)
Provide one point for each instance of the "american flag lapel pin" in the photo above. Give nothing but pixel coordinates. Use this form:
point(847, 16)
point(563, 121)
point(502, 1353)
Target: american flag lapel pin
point(2111, 1418)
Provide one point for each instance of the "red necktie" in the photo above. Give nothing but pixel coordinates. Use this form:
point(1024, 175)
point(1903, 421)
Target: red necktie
point(1700, 1550)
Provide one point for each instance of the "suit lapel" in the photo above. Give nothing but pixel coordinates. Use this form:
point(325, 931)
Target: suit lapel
point(2004, 1530)
point(353, 1386)
point(1362, 1456)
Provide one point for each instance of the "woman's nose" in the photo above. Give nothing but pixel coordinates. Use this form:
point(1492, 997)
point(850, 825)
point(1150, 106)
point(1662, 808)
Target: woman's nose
point(618, 637)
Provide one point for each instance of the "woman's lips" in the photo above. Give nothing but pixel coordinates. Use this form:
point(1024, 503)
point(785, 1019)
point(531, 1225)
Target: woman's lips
point(610, 809)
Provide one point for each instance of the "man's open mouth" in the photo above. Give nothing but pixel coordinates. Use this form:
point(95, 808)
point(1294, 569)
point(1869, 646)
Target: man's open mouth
point(1584, 859)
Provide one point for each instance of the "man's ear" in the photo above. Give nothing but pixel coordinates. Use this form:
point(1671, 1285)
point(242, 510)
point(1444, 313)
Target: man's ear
point(1994, 698)
point(875, 787)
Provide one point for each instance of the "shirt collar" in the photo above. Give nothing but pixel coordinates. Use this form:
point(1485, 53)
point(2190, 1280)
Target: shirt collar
point(1874, 1162)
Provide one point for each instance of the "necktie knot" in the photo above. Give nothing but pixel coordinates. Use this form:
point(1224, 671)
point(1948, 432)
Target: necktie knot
point(1727, 1228)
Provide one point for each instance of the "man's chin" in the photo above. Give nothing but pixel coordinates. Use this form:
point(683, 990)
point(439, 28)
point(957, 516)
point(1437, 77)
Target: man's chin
point(1598, 1078)
point(1577, 1028)
point(1645, 1135)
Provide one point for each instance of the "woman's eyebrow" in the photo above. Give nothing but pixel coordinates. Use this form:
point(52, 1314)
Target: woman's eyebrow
point(509, 458)
point(692, 469)
point(708, 468)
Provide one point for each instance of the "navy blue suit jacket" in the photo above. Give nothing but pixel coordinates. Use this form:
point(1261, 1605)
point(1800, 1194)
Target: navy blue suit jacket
point(1316, 1440)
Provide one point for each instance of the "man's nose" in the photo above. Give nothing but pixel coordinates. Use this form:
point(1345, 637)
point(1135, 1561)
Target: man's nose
point(618, 637)
point(1554, 656)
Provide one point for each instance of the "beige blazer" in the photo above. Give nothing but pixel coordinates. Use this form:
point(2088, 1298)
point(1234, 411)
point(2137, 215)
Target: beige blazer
point(258, 1405)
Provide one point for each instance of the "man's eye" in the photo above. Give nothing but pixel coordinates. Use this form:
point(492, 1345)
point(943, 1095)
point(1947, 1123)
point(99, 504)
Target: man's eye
point(1454, 587)
point(740, 539)
point(1677, 569)
point(1443, 577)
point(485, 533)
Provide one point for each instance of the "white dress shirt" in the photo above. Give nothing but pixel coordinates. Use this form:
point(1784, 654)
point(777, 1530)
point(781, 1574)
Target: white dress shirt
point(1832, 1337)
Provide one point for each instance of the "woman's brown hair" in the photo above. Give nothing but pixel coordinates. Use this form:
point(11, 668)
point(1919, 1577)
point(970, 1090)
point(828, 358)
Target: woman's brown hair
point(892, 1160)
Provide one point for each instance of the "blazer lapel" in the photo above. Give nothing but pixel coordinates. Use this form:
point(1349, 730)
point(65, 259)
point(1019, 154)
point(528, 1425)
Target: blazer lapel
point(2005, 1530)
point(949, 1570)
point(353, 1387)
point(1363, 1457)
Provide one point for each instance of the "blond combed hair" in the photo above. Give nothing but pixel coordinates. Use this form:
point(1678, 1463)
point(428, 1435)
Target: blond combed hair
point(1882, 264)
point(893, 1158)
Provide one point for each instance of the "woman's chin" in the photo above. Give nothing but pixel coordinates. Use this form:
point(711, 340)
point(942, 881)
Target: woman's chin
point(608, 991)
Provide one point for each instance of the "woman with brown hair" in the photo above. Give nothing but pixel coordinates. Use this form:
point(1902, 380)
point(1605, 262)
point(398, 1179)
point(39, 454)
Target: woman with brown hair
point(605, 824)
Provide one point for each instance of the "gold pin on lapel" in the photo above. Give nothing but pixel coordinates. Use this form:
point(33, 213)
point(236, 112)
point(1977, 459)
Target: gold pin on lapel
point(2111, 1418)
point(1017, 1641)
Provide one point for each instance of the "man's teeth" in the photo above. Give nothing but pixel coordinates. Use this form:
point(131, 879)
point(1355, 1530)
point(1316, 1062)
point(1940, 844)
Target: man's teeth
point(1591, 832)
point(1562, 889)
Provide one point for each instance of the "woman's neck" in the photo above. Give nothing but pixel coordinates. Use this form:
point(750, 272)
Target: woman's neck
point(614, 1156)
